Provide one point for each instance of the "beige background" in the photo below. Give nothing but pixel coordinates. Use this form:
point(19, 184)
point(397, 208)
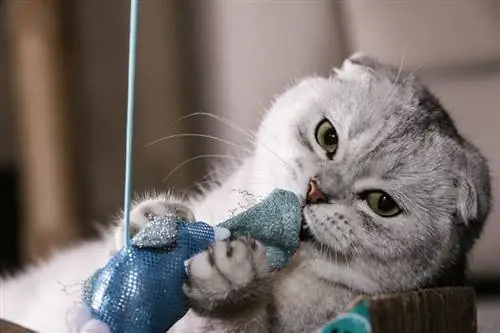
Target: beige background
point(230, 58)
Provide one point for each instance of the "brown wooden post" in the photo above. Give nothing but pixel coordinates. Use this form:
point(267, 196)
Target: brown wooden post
point(8, 327)
point(440, 310)
point(41, 113)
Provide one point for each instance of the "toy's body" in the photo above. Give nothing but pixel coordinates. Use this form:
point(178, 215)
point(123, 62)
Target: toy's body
point(140, 289)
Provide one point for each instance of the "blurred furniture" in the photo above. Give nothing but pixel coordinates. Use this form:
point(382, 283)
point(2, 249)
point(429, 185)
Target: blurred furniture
point(65, 96)
point(38, 69)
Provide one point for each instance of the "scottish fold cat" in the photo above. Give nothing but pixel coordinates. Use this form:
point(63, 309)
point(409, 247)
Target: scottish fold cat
point(394, 198)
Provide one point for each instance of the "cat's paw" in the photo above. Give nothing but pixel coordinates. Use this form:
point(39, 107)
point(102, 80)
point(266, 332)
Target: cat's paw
point(229, 279)
point(142, 212)
point(79, 320)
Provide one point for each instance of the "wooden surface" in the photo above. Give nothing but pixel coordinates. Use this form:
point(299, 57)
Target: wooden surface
point(443, 310)
point(8, 327)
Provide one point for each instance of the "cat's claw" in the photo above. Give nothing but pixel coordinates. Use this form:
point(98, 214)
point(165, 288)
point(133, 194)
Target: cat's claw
point(230, 277)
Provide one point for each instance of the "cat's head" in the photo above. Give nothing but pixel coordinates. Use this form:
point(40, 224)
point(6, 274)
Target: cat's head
point(406, 194)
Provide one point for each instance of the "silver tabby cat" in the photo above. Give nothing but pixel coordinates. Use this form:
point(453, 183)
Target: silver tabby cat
point(403, 197)
point(399, 198)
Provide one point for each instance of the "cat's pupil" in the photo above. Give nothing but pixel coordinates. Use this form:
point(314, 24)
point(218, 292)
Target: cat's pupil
point(385, 203)
point(330, 137)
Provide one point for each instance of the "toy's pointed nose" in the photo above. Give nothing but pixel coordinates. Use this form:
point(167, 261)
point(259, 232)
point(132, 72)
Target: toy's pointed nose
point(314, 194)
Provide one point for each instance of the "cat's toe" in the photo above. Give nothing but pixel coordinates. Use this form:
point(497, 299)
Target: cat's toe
point(95, 326)
point(241, 260)
point(228, 276)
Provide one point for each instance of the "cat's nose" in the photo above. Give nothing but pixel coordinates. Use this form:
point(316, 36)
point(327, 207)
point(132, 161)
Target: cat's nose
point(314, 194)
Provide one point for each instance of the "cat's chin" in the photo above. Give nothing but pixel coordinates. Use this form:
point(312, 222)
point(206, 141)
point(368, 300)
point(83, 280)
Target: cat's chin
point(305, 232)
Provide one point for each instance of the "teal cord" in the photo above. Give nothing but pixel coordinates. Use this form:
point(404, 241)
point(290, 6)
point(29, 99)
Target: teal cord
point(134, 8)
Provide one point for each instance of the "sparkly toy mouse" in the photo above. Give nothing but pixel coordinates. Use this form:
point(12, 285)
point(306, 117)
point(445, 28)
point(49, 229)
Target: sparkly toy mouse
point(140, 289)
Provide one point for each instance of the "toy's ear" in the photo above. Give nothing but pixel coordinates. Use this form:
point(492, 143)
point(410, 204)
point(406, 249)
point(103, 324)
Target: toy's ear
point(159, 232)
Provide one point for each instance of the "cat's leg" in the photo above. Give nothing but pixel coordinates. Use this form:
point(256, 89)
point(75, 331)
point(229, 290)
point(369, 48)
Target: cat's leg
point(230, 285)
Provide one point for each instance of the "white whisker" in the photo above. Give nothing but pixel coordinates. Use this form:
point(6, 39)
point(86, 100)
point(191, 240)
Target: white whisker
point(251, 137)
point(419, 66)
point(199, 135)
point(222, 119)
point(196, 158)
point(394, 84)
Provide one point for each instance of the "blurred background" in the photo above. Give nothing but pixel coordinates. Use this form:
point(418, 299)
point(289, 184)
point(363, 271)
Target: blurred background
point(63, 83)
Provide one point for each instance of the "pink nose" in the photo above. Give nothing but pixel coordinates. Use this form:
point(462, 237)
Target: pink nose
point(315, 195)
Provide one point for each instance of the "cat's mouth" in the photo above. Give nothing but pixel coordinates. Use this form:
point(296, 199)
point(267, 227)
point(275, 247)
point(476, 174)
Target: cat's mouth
point(305, 231)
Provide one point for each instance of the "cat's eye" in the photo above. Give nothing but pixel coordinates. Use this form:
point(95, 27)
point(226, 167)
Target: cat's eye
point(327, 137)
point(382, 203)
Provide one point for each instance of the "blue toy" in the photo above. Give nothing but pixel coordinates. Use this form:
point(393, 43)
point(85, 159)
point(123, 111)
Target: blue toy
point(140, 289)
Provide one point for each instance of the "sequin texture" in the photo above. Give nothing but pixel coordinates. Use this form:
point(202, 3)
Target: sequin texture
point(140, 289)
point(275, 222)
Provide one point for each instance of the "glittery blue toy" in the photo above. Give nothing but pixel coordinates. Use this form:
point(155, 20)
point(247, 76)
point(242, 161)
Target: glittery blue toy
point(275, 222)
point(140, 289)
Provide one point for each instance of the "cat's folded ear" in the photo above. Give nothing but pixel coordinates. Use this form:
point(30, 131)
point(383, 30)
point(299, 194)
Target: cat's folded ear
point(358, 63)
point(474, 191)
point(364, 60)
point(361, 65)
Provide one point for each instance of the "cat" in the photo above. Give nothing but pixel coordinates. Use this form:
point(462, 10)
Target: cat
point(394, 199)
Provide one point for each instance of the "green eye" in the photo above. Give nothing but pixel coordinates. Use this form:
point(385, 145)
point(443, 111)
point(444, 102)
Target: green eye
point(382, 204)
point(327, 137)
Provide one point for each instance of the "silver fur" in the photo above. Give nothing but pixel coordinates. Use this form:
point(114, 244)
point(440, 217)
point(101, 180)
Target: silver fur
point(394, 136)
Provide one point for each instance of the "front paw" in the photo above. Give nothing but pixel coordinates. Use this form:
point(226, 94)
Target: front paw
point(79, 320)
point(142, 213)
point(229, 279)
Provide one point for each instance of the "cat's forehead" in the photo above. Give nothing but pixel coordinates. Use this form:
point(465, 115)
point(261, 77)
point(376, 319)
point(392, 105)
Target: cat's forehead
point(391, 118)
point(367, 100)
point(374, 103)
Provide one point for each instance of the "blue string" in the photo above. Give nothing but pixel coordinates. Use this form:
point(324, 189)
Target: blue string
point(134, 8)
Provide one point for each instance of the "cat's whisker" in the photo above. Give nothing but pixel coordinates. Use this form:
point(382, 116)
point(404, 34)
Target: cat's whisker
point(346, 260)
point(201, 185)
point(251, 137)
point(336, 253)
point(354, 251)
point(209, 175)
point(259, 176)
point(418, 67)
point(178, 166)
point(258, 321)
point(388, 99)
point(394, 84)
point(219, 118)
point(247, 134)
point(199, 135)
